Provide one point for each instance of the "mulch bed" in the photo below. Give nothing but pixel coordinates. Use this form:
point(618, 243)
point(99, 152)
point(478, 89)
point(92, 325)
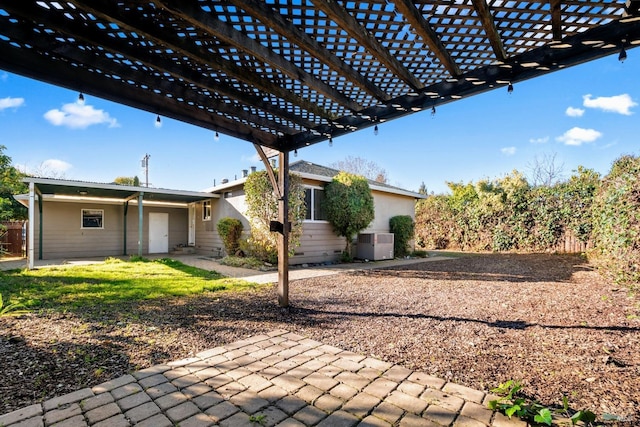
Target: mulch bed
point(547, 320)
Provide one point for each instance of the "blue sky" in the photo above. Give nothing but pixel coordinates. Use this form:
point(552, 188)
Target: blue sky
point(585, 115)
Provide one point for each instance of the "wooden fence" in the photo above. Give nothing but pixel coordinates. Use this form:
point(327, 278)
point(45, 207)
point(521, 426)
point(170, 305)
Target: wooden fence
point(13, 238)
point(571, 244)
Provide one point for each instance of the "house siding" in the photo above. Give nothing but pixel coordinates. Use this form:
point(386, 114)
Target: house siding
point(63, 236)
point(318, 243)
point(208, 241)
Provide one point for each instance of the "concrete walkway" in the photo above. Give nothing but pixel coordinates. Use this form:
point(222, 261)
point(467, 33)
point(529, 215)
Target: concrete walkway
point(276, 379)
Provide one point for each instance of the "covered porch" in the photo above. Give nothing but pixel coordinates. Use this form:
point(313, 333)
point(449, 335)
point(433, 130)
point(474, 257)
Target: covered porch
point(98, 219)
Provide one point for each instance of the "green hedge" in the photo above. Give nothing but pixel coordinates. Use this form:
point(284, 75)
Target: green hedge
point(616, 223)
point(402, 228)
point(509, 214)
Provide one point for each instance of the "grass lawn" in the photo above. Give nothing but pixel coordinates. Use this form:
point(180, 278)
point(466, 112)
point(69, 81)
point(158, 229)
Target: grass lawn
point(110, 282)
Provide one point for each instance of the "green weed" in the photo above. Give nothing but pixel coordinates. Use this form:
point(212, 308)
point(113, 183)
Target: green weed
point(510, 403)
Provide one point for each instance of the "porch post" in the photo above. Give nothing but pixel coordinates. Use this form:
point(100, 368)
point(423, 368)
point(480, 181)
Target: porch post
point(40, 230)
point(126, 209)
point(32, 220)
point(283, 238)
point(140, 223)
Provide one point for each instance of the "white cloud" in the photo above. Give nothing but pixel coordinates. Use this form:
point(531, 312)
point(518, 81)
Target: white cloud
point(542, 140)
point(508, 151)
point(11, 103)
point(79, 116)
point(620, 104)
point(574, 112)
point(578, 136)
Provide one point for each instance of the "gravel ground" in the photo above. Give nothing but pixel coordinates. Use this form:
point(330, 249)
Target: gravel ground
point(548, 320)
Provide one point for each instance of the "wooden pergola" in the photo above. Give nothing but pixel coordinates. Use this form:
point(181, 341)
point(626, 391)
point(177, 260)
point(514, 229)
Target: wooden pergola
point(285, 74)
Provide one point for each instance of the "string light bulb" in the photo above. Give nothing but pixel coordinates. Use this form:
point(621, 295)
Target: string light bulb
point(158, 121)
point(623, 53)
point(375, 130)
point(433, 111)
point(510, 88)
point(295, 153)
point(330, 141)
point(81, 98)
point(216, 136)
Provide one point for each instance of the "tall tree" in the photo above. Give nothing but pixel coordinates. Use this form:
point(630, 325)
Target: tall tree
point(349, 206)
point(10, 184)
point(545, 170)
point(364, 167)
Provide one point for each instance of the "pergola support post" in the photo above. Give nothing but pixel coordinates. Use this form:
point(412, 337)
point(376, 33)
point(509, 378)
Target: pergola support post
point(281, 190)
point(283, 237)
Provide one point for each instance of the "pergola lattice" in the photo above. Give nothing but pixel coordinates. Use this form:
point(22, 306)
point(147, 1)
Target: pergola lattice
point(284, 74)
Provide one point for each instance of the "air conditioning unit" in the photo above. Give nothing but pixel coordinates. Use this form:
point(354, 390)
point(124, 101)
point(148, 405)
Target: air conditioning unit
point(375, 246)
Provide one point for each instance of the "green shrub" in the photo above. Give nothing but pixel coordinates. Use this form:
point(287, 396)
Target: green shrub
point(402, 228)
point(616, 223)
point(349, 206)
point(230, 230)
point(262, 208)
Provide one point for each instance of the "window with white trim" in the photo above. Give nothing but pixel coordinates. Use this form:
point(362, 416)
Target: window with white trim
point(206, 210)
point(92, 218)
point(314, 201)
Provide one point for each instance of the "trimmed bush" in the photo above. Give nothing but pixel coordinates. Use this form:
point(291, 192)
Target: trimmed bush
point(230, 230)
point(349, 206)
point(402, 228)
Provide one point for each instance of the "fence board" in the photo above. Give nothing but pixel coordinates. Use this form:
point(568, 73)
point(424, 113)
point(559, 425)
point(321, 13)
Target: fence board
point(13, 241)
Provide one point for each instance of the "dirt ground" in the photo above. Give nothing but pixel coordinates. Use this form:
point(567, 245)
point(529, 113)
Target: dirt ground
point(547, 320)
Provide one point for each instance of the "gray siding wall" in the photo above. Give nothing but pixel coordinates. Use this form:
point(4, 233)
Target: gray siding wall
point(64, 237)
point(318, 244)
point(208, 241)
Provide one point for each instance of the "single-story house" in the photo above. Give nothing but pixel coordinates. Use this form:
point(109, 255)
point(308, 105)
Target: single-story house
point(78, 219)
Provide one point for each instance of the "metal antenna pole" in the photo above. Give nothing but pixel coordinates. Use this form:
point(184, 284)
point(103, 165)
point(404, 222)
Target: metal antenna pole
point(145, 164)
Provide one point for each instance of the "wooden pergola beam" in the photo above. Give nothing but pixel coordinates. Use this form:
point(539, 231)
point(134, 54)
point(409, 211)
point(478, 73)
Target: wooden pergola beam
point(338, 14)
point(25, 61)
point(426, 33)
point(490, 29)
point(274, 20)
point(203, 21)
point(110, 12)
point(556, 19)
point(87, 31)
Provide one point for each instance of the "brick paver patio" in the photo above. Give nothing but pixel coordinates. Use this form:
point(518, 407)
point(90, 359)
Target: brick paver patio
point(276, 379)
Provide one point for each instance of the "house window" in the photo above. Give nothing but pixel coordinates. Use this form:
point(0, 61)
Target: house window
point(206, 210)
point(92, 218)
point(314, 201)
